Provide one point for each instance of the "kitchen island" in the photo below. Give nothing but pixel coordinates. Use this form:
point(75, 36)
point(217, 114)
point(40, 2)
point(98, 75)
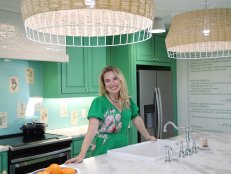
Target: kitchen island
point(215, 159)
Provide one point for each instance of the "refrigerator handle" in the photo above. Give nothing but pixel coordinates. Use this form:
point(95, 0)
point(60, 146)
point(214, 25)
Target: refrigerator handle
point(160, 114)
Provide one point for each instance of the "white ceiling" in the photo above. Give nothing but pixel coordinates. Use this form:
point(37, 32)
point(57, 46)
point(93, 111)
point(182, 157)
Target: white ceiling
point(164, 9)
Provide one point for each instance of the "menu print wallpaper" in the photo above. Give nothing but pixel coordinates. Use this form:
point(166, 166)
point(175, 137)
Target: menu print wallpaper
point(21, 101)
point(204, 94)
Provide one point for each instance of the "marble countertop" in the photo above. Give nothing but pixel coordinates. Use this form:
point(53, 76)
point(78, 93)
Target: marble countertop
point(4, 148)
point(74, 132)
point(216, 159)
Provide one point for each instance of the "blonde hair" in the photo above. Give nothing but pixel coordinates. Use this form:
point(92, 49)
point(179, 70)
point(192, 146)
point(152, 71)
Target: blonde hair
point(124, 89)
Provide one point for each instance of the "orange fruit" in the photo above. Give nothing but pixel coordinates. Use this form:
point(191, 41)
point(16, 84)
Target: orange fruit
point(43, 172)
point(54, 169)
point(40, 173)
point(68, 171)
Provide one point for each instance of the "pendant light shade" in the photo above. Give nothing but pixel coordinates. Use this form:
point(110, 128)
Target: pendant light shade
point(200, 34)
point(89, 23)
point(158, 26)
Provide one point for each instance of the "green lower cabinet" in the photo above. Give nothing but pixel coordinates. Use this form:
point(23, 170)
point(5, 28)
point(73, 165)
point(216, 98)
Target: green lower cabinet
point(76, 147)
point(3, 162)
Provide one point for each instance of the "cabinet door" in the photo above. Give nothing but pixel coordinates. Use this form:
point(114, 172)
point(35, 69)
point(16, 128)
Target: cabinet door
point(145, 50)
point(3, 162)
point(160, 52)
point(81, 74)
point(73, 73)
point(96, 62)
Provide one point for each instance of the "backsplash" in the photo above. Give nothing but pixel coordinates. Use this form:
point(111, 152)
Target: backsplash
point(21, 100)
point(65, 112)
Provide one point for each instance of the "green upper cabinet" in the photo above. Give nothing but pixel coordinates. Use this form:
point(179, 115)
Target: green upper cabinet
point(144, 51)
point(152, 50)
point(78, 77)
point(160, 52)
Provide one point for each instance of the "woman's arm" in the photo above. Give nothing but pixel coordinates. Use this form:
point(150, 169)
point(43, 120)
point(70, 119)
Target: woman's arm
point(91, 132)
point(139, 124)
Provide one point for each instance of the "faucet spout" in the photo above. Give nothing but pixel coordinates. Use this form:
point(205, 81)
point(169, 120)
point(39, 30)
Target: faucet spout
point(169, 122)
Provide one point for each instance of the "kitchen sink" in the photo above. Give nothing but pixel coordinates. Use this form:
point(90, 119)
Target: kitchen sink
point(146, 151)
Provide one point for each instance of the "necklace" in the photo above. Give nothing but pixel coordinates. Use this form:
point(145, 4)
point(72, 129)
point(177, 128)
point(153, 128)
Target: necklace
point(115, 101)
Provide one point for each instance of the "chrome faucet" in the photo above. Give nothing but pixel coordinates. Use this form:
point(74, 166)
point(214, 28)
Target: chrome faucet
point(187, 149)
point(169, 122)
point(168, 153)
point(187, 129)
point(181, 152)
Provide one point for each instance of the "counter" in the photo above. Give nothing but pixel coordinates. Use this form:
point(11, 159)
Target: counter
point(74, 132)
point(216, 159)
point(4, 148)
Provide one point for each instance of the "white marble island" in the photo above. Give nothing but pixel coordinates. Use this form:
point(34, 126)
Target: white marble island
point(216, 159)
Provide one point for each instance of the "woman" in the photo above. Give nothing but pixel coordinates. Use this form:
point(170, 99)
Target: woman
point(109, 116)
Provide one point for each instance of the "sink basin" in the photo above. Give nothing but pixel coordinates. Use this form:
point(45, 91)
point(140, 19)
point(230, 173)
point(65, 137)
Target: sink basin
point(148, 151)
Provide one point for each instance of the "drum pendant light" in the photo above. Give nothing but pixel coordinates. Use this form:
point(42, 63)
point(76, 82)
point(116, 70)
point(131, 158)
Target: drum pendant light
point(88, 23)
point(200, 34)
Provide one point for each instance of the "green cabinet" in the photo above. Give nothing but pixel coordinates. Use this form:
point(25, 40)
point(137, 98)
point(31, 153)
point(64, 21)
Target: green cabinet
point(124, 58)
point(3, 162)
point(78, 77)
point(144, 51)
point(151, 53)
point(160, 51)
point(76, 147)
point(152, 50)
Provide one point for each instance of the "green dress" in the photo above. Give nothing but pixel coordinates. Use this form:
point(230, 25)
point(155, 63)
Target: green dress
point(112, 131)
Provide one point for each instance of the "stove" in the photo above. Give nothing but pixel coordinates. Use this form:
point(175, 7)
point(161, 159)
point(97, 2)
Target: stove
point(27, 154)
point(18, 141)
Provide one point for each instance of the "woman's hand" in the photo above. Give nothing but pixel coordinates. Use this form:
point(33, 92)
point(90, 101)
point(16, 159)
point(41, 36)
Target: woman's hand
point(77, 160)
point(152, 138)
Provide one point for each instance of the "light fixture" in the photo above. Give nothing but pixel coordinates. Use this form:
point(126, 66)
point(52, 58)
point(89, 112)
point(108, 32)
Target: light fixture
point(88, 23)
point(200, 34)
point(158, 26)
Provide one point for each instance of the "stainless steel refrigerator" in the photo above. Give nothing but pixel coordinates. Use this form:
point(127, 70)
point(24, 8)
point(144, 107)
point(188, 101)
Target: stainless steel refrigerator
point(155, 100)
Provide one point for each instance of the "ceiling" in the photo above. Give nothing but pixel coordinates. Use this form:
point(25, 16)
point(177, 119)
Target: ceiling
point(10, 14)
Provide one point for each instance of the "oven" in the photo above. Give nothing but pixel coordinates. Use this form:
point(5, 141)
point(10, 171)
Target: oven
point(30, 154)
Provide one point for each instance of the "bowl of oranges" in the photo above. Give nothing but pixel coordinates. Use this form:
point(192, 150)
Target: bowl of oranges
point(56, 169)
